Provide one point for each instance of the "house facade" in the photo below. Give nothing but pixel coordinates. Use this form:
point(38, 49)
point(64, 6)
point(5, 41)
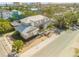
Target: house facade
point(5, 14)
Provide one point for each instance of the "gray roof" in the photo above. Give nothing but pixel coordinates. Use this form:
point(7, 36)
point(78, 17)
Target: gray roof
point(21, 27)
point(33, 18)
point(30, 29)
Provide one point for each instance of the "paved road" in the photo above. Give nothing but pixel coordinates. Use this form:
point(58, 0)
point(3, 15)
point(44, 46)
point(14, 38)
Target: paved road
point(58, 45)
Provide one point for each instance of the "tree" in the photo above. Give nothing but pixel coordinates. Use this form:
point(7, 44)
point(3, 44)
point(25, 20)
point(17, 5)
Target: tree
point(29, 13)
point(47, 12)
point(5, 26)
point(51, 10)
point(70, 18)
point(66, 20)
point(16, 15)
point(60, 22)
point(50, 26)
point(17, 45)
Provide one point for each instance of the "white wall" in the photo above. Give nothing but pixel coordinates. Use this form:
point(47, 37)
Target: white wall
point(26, 35)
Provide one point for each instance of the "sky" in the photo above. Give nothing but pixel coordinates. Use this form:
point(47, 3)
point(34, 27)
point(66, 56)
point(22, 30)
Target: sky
point(53, 1)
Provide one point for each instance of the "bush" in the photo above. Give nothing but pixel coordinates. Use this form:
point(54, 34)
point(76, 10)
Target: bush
point(5, 26)
point(16, 35)
point(17, 45)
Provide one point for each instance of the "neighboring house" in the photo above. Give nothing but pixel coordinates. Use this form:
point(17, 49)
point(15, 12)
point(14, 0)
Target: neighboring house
point(34, 9)
point(16, 15)
point(16, 12)
point(5, 14)
point(29, 26)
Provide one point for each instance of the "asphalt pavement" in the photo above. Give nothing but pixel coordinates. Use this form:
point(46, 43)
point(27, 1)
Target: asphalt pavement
point(54, 48)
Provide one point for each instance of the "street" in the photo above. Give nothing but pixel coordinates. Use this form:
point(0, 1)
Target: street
point(58, 45)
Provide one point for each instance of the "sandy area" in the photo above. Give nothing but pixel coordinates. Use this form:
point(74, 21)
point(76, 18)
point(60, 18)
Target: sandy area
point(34, 42)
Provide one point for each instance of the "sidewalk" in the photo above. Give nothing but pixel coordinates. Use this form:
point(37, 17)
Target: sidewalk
point(5, 45)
